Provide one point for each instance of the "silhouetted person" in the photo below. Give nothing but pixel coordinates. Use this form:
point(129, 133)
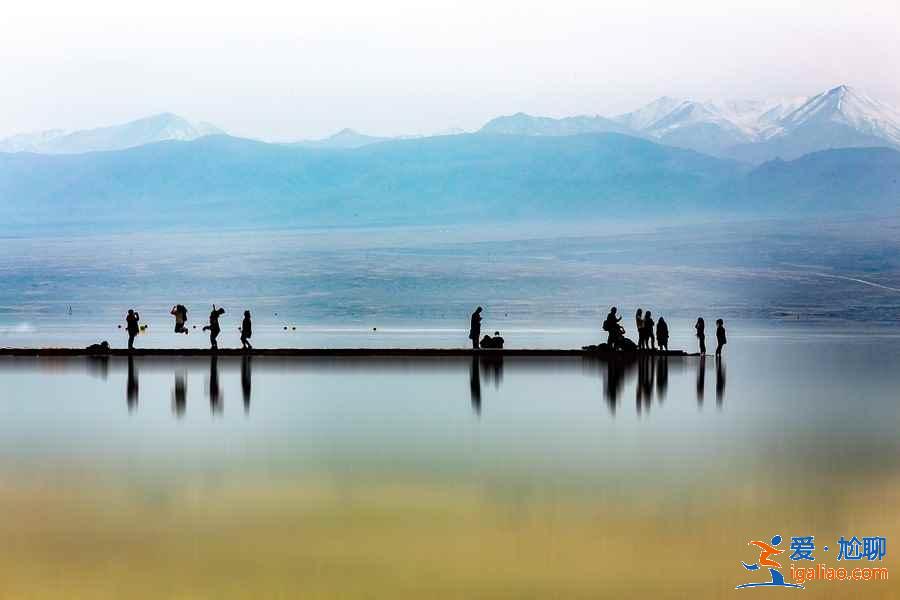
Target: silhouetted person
point(131, 386)
point(475, 385)
point(215, 392)
point(720, 382)
point(701, 379)
point(700, 327)
point(245, 382)
point(613, 328)
point(639, 326)
point(179, 311)
point(179, 395)
point(648, 332)
point(213, 327)
point(662, 334)
point(495, 342)
point(132, 326)
point(475, 328)
point(246, 331)
point(721, 340)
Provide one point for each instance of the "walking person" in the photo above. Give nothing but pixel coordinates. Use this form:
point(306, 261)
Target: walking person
point(213, 326)
point(700, 327)
point(662, 334)
point(132, 326)
point(475, 328)
point(721, 340)
point(246, 331)
point(639, 325)
point(650, 342)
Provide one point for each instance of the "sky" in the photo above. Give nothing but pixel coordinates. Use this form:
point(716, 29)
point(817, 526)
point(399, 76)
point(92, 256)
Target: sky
point(286, 71)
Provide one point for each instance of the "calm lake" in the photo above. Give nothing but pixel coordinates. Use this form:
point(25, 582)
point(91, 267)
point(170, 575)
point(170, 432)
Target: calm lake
point(426, 478)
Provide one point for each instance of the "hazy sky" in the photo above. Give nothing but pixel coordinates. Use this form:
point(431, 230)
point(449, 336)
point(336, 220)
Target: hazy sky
point(284, 71)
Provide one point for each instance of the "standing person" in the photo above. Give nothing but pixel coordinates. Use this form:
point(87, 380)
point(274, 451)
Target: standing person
point(648, 332)
point(639, 325)
point(132, 327)
point(179, 311)
point(721, 340)
point(246, 331)
point(662, 334)
point(475, 328)
point(213, 326)
point(700, 326)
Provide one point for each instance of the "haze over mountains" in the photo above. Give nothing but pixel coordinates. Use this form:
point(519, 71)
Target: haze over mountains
point(156, 128)
point(164, 171)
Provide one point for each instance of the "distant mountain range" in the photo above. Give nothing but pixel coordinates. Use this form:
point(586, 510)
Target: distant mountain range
point(157, 128)
point(749, 131)
point(220, 181)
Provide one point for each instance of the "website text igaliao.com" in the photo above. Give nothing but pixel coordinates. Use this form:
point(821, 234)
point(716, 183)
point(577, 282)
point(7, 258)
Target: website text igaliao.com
point(825, 573)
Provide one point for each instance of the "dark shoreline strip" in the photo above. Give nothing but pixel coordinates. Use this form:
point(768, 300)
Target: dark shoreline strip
point(332, 352)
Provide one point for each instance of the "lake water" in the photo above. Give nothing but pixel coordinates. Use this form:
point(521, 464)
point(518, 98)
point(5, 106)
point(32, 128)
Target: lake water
point(430, 478)
point(415, 287)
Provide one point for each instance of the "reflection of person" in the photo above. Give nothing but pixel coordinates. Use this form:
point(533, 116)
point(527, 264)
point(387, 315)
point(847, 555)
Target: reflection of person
point(179, 311)
point(700, 326)
point(179, 395)
point(475, 328)
point(132, 327)
point(720, 381)
point(721, 340)
point(245, 382)
point(246, 331)
point(475, 385)
point(213, 326)
point(131, 386)
point(215, 392)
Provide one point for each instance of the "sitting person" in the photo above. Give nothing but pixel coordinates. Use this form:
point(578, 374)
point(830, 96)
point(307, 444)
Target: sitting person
point(492, 342)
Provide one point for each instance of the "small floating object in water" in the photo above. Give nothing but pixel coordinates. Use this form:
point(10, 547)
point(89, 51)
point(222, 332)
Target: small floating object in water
point(374, 329)
point(285, 327)
point(119, 326)
point(294, 328)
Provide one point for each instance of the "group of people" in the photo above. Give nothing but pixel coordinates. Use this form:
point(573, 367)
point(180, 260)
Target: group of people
point(648, 339)
point(180, 312)
point(487, 341)
point(721, 338)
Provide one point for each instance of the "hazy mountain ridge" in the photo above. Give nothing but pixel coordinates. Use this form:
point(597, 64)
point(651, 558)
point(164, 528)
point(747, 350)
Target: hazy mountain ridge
point(221, 181)
point(156, 128)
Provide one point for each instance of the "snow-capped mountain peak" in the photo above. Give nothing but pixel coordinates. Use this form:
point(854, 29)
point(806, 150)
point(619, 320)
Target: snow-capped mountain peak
point(155, 128)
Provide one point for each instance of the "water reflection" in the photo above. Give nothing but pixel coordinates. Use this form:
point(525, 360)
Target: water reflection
point(131, 386)
point(216, 400)
point(475, 385)
point(720, 381)
point(488, 366)
point(701, 380)
point(662, 377)
point(179, 395)
point(245, 382)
